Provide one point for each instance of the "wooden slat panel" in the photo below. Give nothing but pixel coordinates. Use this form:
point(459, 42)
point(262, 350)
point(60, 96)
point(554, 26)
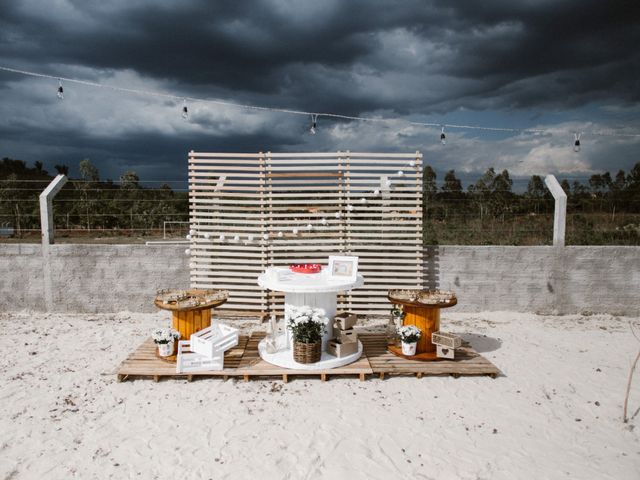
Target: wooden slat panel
point(258, 194)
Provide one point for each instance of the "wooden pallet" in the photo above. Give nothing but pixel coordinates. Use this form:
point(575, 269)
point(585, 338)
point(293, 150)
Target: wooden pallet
point(143, 362)
point(252, 365)
point(383, 362)
point(244, 361)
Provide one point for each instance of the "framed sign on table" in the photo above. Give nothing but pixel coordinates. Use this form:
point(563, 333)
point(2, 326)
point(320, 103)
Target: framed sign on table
point(343, 267)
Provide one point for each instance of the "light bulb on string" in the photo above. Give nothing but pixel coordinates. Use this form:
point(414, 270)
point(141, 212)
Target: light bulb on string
point(185, 110)
point(314, 123)
point(576, 143)
point(187, 252)
point(294, 231)
point(376, 192)
point(412, 164)
point(60, 93)
point(338, 215)
point(443, 137)
point(400, 173)
point(265, 236)
point(188, 237)
point(323, 221)
point(249, 238)
point(363, 200)
point(192, 232)
point(221, 238)
point(349, 207)
point(236, 238)
point(280, 234)
point(207, 236)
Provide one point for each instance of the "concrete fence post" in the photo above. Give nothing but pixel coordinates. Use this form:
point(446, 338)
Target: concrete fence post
point(46, 208)
point(560, 211)
point(47, 226)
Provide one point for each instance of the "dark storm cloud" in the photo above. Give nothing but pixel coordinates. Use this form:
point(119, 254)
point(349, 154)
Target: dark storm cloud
point(357, 57)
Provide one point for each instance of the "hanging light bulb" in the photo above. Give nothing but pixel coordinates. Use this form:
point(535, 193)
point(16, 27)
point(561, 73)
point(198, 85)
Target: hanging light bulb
point(388, 183)
point(400, 173)
point(236, 238)
point(188, 237)
point(376, 192)
point(294, 231)
point(323, 221)
point(207, 236)
point(187, 252)
point(280, 234)
point(265, 236)
point(60, 93)
point(576, 143)
point(443, 137)
point(185, 110)
point(192, 232)
point(314, 124)
point(338, 215)
point(221, 238)
point(349, 207)
point(363, 200)
point(412, 163)
point(309, 227)
point(249, 238)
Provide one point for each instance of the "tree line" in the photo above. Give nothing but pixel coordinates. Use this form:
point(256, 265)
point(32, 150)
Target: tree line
point(604, 210)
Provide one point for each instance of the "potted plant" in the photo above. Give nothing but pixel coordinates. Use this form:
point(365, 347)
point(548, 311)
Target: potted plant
point(307, 326)
point(165, 339)
point(395, 322)
point(409, 336)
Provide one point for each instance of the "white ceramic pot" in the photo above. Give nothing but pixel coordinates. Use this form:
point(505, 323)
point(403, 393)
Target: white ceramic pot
point(409, 349)
point(165, 349)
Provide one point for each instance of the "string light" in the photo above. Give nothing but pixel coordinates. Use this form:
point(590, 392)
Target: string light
point(400, 173)
point(185, 110)
point(338, 215)
point(265, 236)
point(207, 236)
point(236, 238)
point(376, 192)
point(188, 237)
point(221, 238)
point(363, 200)
point(314, 123)
point(280, 234)
point(443, 137)
point(249, 238)
point(576, 143)
point(294, 231)
point(323, 221)
point(60, 93)
point(187, 252)
point(314, 115)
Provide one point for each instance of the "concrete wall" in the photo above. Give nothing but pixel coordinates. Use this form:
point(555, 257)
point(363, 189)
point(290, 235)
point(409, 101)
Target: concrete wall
point(108, 278)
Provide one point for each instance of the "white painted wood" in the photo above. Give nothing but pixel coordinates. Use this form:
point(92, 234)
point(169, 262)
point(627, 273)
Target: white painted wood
point(213, 341)
point(560, 211)
point(189, 361)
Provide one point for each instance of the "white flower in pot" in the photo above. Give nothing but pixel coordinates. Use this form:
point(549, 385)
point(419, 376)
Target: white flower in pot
point(409, 336)
point(165, 339)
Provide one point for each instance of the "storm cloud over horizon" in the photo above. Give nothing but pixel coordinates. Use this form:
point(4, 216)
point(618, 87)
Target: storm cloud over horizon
point(563, 65)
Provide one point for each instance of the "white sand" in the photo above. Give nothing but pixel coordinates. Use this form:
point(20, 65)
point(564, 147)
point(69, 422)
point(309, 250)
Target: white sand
point(555, 414)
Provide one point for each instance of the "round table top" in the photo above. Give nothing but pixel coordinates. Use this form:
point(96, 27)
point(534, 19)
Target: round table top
point(290, 282)
point(198, 294)
point(415, 302)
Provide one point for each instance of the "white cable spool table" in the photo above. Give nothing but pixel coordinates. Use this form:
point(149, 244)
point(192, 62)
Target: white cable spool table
point(319, 290)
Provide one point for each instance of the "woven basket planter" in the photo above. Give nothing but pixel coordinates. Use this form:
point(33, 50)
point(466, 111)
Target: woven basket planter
point(307, 352)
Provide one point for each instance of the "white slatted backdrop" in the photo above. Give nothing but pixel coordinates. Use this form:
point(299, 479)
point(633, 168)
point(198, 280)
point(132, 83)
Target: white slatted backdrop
point(258, 194)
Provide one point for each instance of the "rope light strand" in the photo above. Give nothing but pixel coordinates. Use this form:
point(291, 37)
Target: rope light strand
point(314, 115)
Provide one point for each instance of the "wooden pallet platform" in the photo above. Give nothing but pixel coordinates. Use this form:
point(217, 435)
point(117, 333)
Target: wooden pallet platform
point(252, 365)
point(143, 362)
point(383, 362)
point(244, 361)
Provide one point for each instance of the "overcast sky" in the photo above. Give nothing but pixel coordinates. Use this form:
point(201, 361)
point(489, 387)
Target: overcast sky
point(563, 65)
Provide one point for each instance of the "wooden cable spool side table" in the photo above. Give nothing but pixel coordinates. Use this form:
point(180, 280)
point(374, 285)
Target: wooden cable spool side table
point(425, 316)
point(188, 319)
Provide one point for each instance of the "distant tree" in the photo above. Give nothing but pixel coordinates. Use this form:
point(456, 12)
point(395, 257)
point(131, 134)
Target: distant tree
point(129, 179)
point(536, 188)
point(88, 171)
point(452, 185)
point(565, 186)
point(62, 169)
point(39, 168)
point(429, 183)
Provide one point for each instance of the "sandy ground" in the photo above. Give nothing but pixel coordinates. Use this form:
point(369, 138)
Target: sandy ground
point(556, 412)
